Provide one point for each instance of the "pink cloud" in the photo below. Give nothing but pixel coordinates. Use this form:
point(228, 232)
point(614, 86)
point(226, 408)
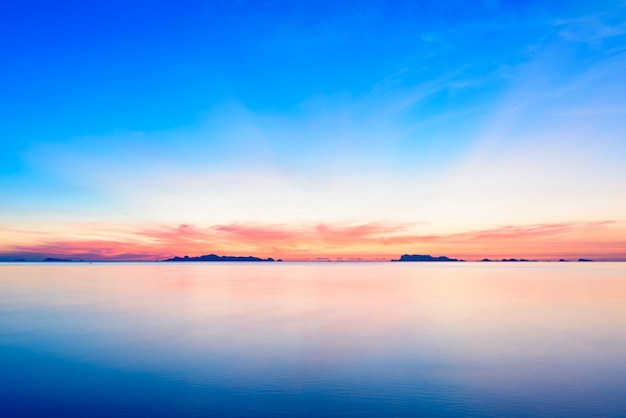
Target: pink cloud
point(258, 233)
point(517, 232)
point(368, 241)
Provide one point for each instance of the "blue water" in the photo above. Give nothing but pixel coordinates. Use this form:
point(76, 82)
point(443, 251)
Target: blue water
point(313, 339)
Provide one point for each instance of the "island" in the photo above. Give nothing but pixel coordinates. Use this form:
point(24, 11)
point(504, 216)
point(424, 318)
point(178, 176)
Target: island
point(213, 257)
point(420, 257)
point(584, 260)
point(57, 260)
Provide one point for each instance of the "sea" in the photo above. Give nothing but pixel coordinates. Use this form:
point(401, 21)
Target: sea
point(403, 339)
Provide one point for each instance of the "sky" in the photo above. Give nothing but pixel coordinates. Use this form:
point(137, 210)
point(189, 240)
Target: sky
point(313, 130)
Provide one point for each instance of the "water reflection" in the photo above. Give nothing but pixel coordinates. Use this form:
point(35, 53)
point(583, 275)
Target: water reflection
point(328, 338)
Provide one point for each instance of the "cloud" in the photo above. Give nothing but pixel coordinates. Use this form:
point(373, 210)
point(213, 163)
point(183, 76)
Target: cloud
point(85, 250)
point(365, 241)
point(251, 233)
point(182, 234)
point(594, 111)
point(590, 30)
point(516, 232)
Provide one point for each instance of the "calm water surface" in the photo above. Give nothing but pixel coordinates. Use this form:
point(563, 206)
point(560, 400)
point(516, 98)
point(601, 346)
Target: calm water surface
point(332, 339)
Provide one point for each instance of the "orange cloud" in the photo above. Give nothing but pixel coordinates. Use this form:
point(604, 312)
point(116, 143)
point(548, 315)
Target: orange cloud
point(370, 241)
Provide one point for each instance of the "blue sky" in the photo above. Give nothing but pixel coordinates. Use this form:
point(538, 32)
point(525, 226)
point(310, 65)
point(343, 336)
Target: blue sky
point(426, 118)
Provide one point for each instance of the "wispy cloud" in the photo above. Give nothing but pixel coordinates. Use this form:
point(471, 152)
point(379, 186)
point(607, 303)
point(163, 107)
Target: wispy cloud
point(590, 30)
point(517, 232)
point(594, 111)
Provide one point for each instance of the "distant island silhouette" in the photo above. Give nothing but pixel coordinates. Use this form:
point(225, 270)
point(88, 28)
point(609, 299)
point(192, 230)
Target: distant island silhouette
point(426, 257)
point(214, 257)
point(217, 258)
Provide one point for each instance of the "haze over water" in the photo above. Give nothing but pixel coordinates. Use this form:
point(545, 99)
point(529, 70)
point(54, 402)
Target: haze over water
point(338, 339)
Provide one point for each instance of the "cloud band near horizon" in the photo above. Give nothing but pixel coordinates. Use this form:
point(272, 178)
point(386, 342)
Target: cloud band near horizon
point(367, 242)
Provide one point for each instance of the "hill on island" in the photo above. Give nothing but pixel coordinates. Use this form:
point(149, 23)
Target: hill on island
point(213, 257)
point(420, 257)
